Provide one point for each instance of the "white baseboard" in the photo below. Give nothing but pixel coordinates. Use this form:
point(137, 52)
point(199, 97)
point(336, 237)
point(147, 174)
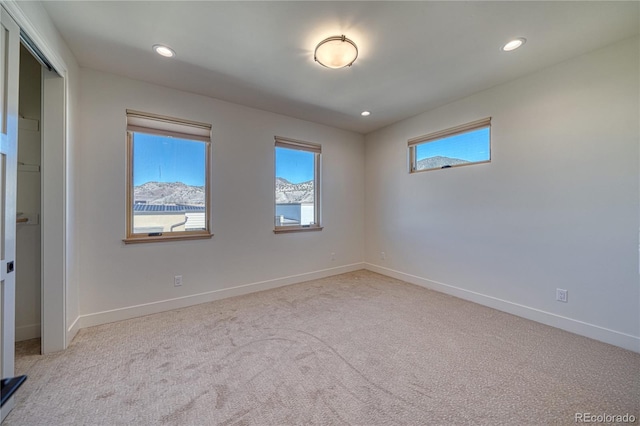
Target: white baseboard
point(120, 314)
point(26, 332)
point(73, 330)
point(592, 331)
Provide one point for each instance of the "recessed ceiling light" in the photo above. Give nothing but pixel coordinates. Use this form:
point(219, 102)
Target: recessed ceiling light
point(163, 50)
point(514, 44)
point(365, 113)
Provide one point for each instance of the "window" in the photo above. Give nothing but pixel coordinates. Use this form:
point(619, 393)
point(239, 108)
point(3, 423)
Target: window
point(167, 178)
point(297, 194)
point(458, 146)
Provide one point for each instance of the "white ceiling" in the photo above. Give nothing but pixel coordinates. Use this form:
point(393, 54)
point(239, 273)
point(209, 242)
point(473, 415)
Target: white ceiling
point(413, 56)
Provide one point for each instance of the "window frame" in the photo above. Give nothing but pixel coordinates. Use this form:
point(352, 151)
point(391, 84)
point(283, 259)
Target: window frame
point(316, 149)
point(413, 143)
point(159, 125)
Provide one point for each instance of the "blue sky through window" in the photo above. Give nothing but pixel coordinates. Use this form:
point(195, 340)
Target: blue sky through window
point(472, 146)
point(164, 159)
point(294, 165)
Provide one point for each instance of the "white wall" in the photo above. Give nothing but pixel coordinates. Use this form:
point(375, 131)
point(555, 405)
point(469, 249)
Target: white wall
point(28, 200)
point(556, 208)
point(244, 250)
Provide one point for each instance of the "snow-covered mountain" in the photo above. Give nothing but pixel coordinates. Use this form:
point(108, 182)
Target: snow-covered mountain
point(169, 193)
point(180, 193)
point(438, 162)
point(290, 193)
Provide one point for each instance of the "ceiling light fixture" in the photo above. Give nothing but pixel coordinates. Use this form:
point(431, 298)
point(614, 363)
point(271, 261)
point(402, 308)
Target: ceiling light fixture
point(365, 113)
point(163, 50)
point(336, 52)
point(514, 44)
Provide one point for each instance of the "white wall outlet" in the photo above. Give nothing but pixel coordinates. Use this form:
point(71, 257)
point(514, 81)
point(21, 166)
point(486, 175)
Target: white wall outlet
point(383, 255)
point(177, 281)
point(562, 295)
point(333, 256)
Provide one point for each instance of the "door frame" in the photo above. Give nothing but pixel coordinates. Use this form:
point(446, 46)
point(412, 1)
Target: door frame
point(54, 330)
point(10, 63)
point(53, 225)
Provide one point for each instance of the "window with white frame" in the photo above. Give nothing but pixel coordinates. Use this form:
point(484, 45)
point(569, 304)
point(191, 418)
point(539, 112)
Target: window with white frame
point(168, 161)
point(297, 185)
point(457, 146)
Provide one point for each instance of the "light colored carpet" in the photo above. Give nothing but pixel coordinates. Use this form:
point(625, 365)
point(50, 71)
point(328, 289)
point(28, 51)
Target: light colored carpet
point(354, 349)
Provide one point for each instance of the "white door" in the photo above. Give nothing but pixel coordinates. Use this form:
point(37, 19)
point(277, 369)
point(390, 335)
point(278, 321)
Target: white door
point(9, 70)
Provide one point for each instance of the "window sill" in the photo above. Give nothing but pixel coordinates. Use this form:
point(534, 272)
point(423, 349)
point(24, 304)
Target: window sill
point(162, 238)
point(290, 229)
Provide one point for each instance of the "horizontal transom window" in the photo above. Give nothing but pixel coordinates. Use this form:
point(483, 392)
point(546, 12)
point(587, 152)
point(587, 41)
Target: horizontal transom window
point(457, 146)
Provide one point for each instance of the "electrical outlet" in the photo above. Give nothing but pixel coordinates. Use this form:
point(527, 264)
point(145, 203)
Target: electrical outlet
point(177, 281)
point(333, 256)
point(562, 295)
point(383, 255)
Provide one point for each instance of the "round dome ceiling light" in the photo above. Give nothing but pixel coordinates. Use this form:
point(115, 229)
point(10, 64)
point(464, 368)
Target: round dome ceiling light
point(514, 44)
point(336, 52)
point(365, 113)
point(163, 50)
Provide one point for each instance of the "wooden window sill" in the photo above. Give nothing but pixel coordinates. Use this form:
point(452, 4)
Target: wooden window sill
point(162, 238)
point(288, 230)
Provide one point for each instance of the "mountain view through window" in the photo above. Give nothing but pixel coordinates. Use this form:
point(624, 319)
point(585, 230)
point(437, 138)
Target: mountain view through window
point(295, 187)
point(169, 192)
